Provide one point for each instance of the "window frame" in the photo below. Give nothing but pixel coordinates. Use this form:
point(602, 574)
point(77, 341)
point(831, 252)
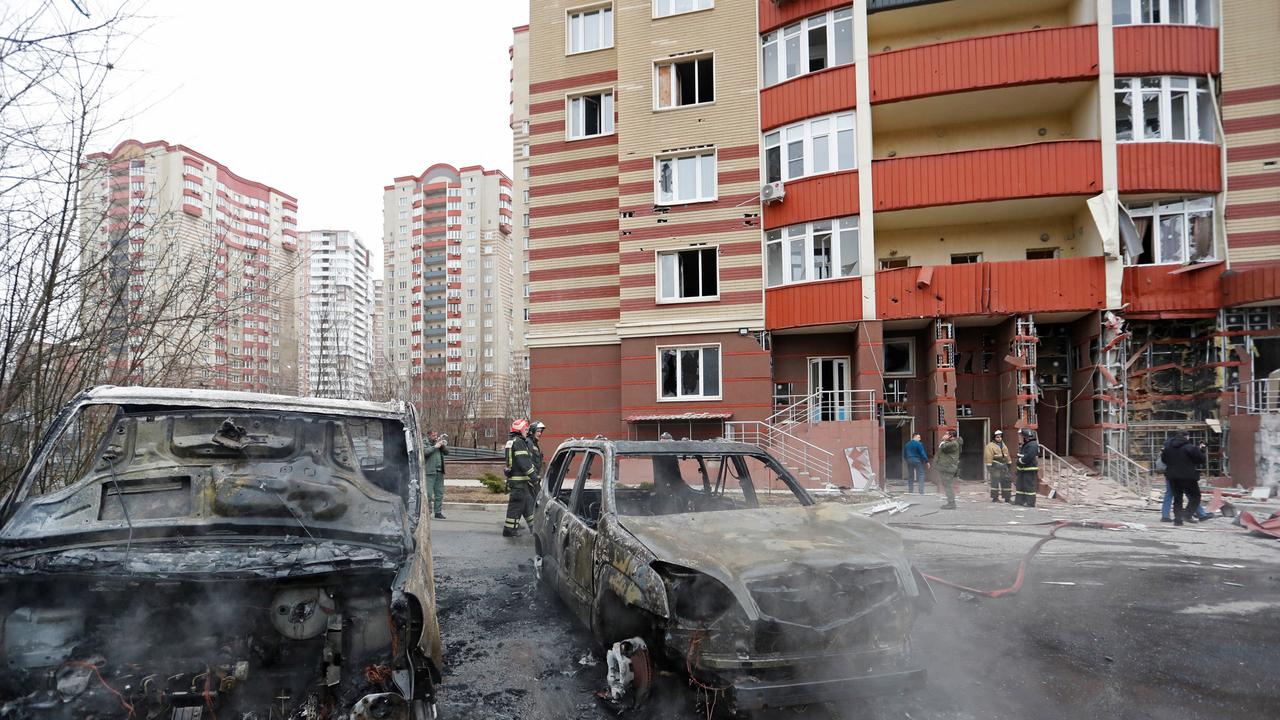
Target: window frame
point(1151, 210)
point(658, 159)
point(1198, 91)
point(837, 261)
point(569, 14)
point(657, 275)
point(801, 27)
point(1189, 10)
point(661, 63)
point(569, 111)
point(806, 140)
point(655, 15)
point(702, 348)
point(911, 353)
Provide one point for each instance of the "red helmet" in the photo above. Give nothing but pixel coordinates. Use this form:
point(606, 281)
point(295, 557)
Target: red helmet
point(519, 425)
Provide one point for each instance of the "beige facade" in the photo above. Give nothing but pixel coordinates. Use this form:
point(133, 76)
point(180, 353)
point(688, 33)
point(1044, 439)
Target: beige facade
point(208, 244)
point(520, 191)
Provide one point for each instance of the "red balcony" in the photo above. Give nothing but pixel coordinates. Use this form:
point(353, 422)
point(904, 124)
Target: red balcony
point(1255, 284)
point(1020, 58)
point(1172, 291)
point(1166, 50)
point(820, 93)
point(1169, 167)
point(193, 210)
point(815, 198)
point(827, 302)
point(1048, 169)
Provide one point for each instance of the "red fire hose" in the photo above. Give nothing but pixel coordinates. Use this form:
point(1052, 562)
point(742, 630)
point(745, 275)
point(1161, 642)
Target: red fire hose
point(1026, 559)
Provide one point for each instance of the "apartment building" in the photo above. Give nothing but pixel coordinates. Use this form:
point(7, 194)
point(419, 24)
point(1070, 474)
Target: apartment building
point(824, 225)
point(379, 375)
point(194, 239)
point(340, 302)
point(519, 54)
point(450, 296)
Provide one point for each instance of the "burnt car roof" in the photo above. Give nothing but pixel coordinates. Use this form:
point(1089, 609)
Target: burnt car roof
point(231, 399)
point(649, 447)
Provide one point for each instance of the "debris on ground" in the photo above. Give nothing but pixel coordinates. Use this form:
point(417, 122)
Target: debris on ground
point(893, 507)
point(1270, 526)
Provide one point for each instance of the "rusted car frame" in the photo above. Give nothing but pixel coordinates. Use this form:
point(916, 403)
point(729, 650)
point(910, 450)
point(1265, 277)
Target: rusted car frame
point(197, 553)
point(777, 606)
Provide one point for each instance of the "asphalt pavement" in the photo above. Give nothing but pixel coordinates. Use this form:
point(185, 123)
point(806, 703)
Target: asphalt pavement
point(1151, 622)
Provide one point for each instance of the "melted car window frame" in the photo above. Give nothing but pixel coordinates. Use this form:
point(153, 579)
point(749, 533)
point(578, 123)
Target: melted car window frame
point(714, 487)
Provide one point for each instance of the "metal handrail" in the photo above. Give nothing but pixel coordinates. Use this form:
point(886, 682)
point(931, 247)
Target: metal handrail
point(1256, 397)
point(1061, 476)
point(825, 406)
point(1128, 472)
point(792, 451)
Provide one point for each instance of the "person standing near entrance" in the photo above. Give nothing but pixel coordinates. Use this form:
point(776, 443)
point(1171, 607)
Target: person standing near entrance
point(947, 461)
point(1028, 469)
point(437, 448)
point(1182, 462)
point(996, 457)
point(917, 462)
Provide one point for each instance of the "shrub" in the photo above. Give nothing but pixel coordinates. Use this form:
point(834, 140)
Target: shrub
point(496, 484)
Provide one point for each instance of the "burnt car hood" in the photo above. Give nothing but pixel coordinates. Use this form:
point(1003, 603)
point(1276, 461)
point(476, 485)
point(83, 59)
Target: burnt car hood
point(738, 547)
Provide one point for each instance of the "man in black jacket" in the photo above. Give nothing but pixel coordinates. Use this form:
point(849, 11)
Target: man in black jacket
point(1182, 462)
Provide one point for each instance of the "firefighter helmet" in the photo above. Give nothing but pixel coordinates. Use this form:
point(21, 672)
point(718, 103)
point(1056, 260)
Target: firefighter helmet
point(519, 425)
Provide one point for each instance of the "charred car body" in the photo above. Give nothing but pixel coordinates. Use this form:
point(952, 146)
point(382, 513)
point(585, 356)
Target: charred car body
point(187, 554)
point(714, 555)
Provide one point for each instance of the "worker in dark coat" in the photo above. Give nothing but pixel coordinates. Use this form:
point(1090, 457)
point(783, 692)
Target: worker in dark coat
point(522, 478)
point(1028, 469)
point(534, 439)
point(1182, 462)
point(947, 461)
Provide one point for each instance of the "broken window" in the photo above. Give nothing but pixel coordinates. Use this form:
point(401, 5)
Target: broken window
point(1164, 108)
point(812, 147)
point(685, 82)
point(816, 43)
point(966, 258)
point(590, 115)
point(670, 484)
point(812, 251)
point(687, 178)
point(1172, 12)
point(899, 357)
point(1042, 253)
point(687, 373)
point(688, 275)
point(894, 263)
point(1179, 231)
point(590, 29)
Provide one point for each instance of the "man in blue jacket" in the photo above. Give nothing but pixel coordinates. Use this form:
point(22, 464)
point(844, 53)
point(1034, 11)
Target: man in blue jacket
point(917, 462)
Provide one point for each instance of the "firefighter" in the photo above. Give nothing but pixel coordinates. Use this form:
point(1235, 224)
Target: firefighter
point(521, 478)
point(1028, 469)
point(535, 445)
point(996, 457)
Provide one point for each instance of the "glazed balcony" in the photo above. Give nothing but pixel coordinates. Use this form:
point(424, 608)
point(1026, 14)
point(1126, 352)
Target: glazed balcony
point(979, 289)
point(820, 93)
point(1049, 55)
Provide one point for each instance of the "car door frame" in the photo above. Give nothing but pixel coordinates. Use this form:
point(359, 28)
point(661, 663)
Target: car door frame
point(550, 512)
point(577, 541)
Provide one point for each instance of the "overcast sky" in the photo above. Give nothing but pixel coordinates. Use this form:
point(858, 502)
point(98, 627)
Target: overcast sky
point(325, 100)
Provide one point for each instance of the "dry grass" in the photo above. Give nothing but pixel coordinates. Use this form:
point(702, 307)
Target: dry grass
point(473, 495)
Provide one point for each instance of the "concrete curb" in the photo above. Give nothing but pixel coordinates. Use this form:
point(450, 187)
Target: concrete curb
point(488, 507)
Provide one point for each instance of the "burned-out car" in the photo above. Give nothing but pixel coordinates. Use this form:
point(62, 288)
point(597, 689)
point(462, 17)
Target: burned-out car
point(186, 554)
point(724, 567)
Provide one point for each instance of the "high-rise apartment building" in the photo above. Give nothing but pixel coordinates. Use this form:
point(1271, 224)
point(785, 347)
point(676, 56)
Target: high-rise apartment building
point(340, 306)
point(450, 300)
point(380, 361)
point(520, 191)
point(823, 225)
point(193, 239)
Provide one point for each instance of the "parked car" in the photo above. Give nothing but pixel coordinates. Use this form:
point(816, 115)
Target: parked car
point(715, 557)
point(183, 554)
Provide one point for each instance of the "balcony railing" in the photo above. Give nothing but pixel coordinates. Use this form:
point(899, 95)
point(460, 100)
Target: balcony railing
point(823, 406)
point(1257, 397)
point(806, 460)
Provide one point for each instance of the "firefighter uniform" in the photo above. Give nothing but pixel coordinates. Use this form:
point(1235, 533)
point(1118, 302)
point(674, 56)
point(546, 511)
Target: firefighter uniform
point(1028, 470)
point(521, 478)
point(996, 457)
point(535, 447)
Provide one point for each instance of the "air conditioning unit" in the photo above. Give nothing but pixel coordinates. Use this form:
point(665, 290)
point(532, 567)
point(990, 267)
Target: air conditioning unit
point(772, 192)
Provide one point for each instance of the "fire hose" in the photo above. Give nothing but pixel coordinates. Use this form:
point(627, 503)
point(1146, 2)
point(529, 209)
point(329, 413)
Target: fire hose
point(1026, 559)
